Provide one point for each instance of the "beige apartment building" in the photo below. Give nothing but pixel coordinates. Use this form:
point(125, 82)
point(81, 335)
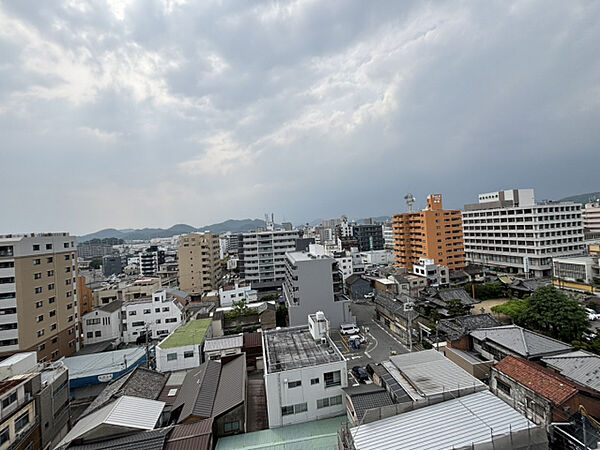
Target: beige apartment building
point(38, 295)
point(199, 264)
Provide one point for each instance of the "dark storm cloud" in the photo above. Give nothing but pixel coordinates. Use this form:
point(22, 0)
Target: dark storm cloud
point(149, 113)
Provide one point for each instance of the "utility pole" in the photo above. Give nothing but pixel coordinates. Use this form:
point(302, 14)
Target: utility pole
point(147, 349)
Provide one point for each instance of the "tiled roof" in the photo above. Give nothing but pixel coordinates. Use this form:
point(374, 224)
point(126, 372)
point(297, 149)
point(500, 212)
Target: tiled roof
point(521, 341)
point(544, 382)
point(366, 397)
point(457, 327)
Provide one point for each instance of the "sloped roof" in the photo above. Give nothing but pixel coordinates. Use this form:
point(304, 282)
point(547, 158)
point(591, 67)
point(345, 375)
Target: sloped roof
point(125, 413)
point(543, 381)
point(141, 383)
point(353, 279)
point(580, 366)
point(457, 327)
point(224, 342)
point(111, 307)
point(253, 339)
point(524, 342)
point(367, 396)
point(456, 294)
point(212, 389)
point(148, 440)
point(396, 306)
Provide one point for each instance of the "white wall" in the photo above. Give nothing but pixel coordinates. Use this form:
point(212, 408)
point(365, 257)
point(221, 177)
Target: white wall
point(163, 364)
point(161, 315)
point(109, 326)
point(279, 394)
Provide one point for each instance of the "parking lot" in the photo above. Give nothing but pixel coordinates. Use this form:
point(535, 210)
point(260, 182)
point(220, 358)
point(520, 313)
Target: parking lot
point(379, 345)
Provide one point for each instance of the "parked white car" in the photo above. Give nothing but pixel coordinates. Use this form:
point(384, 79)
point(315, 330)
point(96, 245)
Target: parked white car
point(369, 295)
point(349, 328)
point(360, 338)
point(592, 315)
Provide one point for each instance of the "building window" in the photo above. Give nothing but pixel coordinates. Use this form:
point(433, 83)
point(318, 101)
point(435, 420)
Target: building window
point(188, 354)
point(36, 247)
point(37, 262)
point(336, 400)
point(68, 281)
point(172, 320)
point(40, 318)
point(40, 333)
point(287, 410)
point(70, 319)
point(293, 384)
point(147, 311)
point(48, 246)
point(66, 257)
point(314, 381)
point(22, 421)
point(171, 356)
point(67, 269)
point(332, 379)
point(49, 259)
point(228, 427)
point(51, 273)
point(51, 300)
point(51, 286)
point(37, 276)
point(38, 290)
point(132, 313)
point(157, 310)
point(90, 334)
point(9, 400)
point(98, 334)
point(503, 386)
point(54, 341)
point(41, 347)
point(137, 324)
point(4, 436)
point(53, 327)
point(165, 309)
point(70, 306)
point(39, 304)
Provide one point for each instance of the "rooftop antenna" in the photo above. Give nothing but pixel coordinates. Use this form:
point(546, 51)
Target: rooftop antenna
point(410, 199)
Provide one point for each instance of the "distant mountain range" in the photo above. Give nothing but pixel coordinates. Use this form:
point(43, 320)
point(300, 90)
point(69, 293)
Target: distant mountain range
point(582, 198)
point(233, 225)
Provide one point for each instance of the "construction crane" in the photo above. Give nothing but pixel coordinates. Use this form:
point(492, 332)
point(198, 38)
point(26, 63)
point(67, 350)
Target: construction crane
point(410, 199)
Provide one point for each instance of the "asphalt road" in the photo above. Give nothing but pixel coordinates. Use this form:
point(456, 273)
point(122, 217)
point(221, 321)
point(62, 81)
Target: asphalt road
point(380, 343)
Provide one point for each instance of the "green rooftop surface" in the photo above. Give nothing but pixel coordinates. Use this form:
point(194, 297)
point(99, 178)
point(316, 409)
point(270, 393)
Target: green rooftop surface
point(191, 334)
point(320, 434)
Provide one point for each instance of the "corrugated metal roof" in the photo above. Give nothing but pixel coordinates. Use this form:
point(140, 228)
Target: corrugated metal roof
point(194, 436)
point(580, 366)
point(147, 440)
point(232, 389)
point(103, 363)
point(317, 435)
point(253, 339)
point(224, 343)
point(461, 422)
point(431, 373)
point(126, 412)
point(521, 341)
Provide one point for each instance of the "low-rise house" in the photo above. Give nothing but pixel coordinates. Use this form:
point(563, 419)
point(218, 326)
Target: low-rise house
point(580, 366)
point(540, 394)
point(478, 420)
point(154, 317)
point(222, 347)
point(498, 342)
point(398, 314)
point(304, 373)
point(182, 349)
point(123, 416)
point(410, 284)
point(357, 287)
point(214, 390)
point(363, 398)
point(260, 315)
point(237, 292)
point(444, 301)
point(103, 324)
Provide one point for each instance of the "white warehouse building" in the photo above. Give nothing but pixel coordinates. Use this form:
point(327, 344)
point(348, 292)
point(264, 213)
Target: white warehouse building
point(304, 374)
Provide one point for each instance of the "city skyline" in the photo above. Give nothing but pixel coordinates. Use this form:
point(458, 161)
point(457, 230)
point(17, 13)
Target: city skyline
point(132, 114)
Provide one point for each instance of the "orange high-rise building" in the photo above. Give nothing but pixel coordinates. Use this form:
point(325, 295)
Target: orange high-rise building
point(433, 233)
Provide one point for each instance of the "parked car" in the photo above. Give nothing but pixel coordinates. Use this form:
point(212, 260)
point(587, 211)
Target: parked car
point(349, 328)
point(361, 339)
point(360, 374)
point(592, 315)
point(369, 294)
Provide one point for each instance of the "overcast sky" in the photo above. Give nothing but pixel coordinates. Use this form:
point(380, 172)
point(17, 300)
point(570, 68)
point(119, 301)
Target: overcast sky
point(149, 113)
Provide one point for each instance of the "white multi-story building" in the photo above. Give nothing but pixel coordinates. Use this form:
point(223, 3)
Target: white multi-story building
point(103, 324)
point(262, 254)
point(304, 374)
point(582, 269)
point(508, 231)
point(158, 317)
point(182, 349)
point(388, 236)
point(314, 283)
point(345, 228)
point(436, 274)
point(343, 258)
point(235, 293)
point(591, 217)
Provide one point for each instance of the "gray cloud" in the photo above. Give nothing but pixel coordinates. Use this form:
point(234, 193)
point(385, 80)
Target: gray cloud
point(149, 113)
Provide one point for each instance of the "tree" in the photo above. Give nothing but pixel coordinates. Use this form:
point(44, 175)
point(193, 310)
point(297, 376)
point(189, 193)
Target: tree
point(240, 309)
point(456, 308)
point(96, 263)
point(549, 311)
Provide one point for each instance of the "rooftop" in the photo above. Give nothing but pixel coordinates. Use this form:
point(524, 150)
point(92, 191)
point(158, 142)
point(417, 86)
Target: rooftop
point(224, 343)
point(540, 380)
point(458, 423)
point(191, 334)
point(294, 347)
point(457, 327)
point(319, 434)
point(430, 373)
point(523, 342)
point(103, 363)
point(112, 306)
point(580, 366)
point(295, 257)
point(367, 396)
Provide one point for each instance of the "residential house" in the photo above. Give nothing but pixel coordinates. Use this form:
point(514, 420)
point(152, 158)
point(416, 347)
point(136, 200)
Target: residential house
point(357, 287)
point(103, 324)
point(446, 301)
point(398, 314)
point(260, 315)
point(182, 349)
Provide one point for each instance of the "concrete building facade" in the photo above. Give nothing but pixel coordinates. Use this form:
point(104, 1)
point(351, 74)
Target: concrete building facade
point(262, 254)
point(314, 283)
point(369, 237)
point(38, 295)
point(103, 324)
point(591, 218)
point(199, 263)
point(433, 233)
point(509, 232)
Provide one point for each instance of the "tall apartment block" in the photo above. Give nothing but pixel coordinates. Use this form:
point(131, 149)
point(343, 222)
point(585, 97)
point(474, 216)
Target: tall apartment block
point(199, 263)
point(433, 233)
point(369, 237)
point(508, 231)
point(262, 255)
point(38, 295)
point(151, 260)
